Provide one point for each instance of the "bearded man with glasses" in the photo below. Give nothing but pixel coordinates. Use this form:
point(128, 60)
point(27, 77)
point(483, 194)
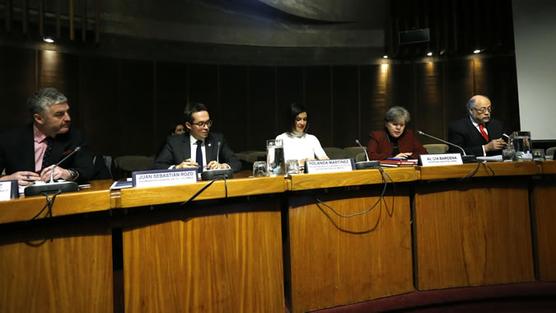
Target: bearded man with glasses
point(477, 133)
point(198, 148)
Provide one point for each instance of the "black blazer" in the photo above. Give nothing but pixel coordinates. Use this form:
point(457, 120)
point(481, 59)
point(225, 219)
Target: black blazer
point(178, 148)
point(17, 152)
point(464, 134)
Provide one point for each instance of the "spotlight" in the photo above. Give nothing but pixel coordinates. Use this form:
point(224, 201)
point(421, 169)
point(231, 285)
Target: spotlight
point(477, 51)
point(48, 39)
point(385, 56)
point(429, 54)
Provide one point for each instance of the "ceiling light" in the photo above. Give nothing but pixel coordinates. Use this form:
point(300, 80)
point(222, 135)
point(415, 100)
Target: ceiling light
point(477, 51)
point(48, 39)
point(385, 56)
point(429, 54)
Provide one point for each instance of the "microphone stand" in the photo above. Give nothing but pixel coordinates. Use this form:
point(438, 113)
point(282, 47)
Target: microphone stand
point(464, 157)
point(53, 187)
point(368, 163)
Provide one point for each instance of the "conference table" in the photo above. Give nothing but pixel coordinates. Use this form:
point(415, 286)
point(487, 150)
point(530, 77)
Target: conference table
point(305, 242)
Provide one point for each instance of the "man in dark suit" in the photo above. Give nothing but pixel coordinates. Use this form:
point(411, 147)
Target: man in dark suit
point(477, 133)
point(28, 154)
point(199, 147)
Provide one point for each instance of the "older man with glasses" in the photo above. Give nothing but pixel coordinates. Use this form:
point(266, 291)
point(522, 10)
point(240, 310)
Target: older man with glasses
point(478, 133)
point(198, 148)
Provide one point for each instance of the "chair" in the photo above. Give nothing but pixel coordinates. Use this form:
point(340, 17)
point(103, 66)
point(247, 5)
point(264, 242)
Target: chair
point(436, 148)
point(352, 152)
point(361, 157)
point(550, 151)
point(103, 167)
point(335, 153)
point(124, 165)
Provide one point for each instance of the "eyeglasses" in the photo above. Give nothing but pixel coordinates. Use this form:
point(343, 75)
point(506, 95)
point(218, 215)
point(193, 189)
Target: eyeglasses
point(203, 124)
point(483, 110)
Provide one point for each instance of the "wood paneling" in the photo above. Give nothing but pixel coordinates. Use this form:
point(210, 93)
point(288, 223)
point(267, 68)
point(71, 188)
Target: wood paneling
point(136, 108)
point(472, 233)
point(345, 100)
point(100, 116)
point(260, 108)
point(373, 88)
point(429, 108)
point(544, 210)
point(336, 261)
point(203, 85)
point(318, 102)
point(289, 88)
point(17, 83)
point(215, 263)
point(69, 274)
point(127, 107)
point(171, 98)
point(231, 117)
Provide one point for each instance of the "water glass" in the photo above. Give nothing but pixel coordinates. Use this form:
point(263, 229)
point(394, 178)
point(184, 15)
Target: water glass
point(259, 169)
point(292, 167)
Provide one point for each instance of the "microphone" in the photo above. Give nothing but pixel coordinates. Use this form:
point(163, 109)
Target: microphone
point(464, 157)
point(217, 173)
point(52, 186)
point(218, 153)
point(365, 164)
point(62, 160)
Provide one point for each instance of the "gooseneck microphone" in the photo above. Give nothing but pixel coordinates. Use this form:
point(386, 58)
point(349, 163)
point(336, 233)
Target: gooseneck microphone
point(217, 173)
point(53, 187)
point(218, 153)
point(364, 149)
point(62, 160)
point(365, 164)
point(465, 158)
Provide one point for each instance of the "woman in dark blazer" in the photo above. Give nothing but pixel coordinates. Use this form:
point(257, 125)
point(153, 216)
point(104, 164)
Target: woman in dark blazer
point(394, 141)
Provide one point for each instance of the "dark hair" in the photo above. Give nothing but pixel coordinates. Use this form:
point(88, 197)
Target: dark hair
point(295, 110)
point(192, 108)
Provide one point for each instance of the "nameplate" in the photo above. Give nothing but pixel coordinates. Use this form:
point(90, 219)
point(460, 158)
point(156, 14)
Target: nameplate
point(441, 159)
point(158, 178)
point(328, 166)
point(8, 190)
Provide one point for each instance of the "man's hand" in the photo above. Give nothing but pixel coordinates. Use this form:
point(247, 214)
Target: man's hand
point(495, 144)
point(59, 173)
point(188, 164)
point(213, 165)
point(24, 178)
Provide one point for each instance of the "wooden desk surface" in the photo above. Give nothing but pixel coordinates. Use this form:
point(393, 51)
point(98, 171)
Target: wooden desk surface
point(548, 167)
point(136, 197)
point(96, 198)
point(484, 170)
point(355, 178)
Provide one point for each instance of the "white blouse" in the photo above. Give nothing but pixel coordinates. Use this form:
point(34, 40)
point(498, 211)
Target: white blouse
point(305, 147)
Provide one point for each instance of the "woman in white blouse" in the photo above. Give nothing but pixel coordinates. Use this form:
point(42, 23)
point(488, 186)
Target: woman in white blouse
point(299, 145)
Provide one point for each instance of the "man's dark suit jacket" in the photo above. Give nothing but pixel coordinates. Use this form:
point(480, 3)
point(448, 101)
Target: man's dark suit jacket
point(380, 147)
point(464, 134)
point(17, 152)
point(178, 149)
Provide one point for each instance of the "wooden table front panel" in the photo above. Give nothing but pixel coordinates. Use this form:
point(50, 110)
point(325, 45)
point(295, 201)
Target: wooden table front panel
point(68, 274)
point(337, 261)
point(472, 233)
point(544, 208)
point(219, 262)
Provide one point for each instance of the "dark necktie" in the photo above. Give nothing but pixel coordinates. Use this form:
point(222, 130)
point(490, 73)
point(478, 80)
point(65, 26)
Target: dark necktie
point(46, 159)
point(199, 156)
point(483, 132)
